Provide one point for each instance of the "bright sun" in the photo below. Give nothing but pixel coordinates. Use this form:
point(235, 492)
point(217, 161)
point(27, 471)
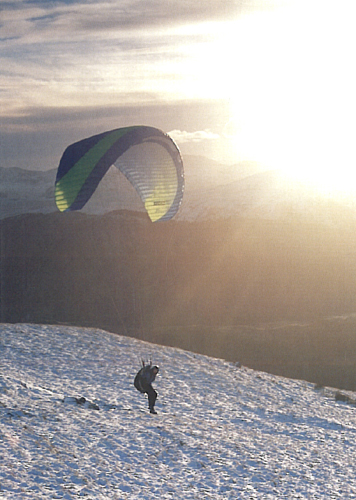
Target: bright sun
point(293, 93)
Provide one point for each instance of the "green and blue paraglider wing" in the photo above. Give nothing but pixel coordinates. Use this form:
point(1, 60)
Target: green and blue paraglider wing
point(147, 157)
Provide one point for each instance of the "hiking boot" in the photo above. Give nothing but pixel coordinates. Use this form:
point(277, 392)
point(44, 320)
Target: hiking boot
point(153, 411)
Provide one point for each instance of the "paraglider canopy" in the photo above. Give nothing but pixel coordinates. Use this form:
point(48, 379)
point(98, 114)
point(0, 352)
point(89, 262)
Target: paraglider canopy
point(147, 157)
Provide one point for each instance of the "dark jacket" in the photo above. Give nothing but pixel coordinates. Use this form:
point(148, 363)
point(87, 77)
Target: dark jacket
point(145, 377)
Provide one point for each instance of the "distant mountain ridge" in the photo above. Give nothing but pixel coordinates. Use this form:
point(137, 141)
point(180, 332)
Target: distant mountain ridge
point(212, 191)
point(25, 191)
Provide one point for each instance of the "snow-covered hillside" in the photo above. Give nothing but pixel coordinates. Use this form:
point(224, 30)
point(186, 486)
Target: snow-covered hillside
point(222, 432)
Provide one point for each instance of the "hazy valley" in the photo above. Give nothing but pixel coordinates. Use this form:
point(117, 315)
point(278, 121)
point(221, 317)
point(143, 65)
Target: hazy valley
point(252, 268)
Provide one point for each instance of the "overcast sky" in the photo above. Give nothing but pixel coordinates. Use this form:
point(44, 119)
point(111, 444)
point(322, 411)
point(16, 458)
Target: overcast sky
point(272, 81)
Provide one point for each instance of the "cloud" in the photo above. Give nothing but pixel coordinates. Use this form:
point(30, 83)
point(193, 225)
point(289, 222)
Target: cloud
point(181, 136)
point(48, 21)
point(71, 53)
point(36, 139)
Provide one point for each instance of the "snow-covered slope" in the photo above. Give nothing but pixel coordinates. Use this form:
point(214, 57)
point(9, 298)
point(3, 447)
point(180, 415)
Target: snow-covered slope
point(222, 432)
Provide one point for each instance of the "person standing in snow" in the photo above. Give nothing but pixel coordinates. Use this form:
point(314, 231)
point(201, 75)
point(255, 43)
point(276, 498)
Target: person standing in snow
point(143, 383)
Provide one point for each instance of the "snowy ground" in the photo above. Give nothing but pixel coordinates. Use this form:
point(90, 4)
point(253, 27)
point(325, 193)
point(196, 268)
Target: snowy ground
point(221, 432)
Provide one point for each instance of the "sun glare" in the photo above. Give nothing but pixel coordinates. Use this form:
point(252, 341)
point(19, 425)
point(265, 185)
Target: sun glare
point(292, 95)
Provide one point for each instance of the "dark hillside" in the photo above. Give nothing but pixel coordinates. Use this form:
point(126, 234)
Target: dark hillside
point(190, 284)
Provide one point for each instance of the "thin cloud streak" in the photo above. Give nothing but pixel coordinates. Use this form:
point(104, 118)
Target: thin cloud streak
point(99, 52)
point(283, 67)
point(182, 136)
point(31, 23)
point(37, 139)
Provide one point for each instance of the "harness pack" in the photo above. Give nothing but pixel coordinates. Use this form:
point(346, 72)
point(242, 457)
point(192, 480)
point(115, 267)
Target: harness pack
point(138, 380)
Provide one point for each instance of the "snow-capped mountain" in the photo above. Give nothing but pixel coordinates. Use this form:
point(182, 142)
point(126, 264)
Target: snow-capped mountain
point(72, 425)
point(23, 191)
point(249, 191)
point(26, 191)
point(212, 191)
